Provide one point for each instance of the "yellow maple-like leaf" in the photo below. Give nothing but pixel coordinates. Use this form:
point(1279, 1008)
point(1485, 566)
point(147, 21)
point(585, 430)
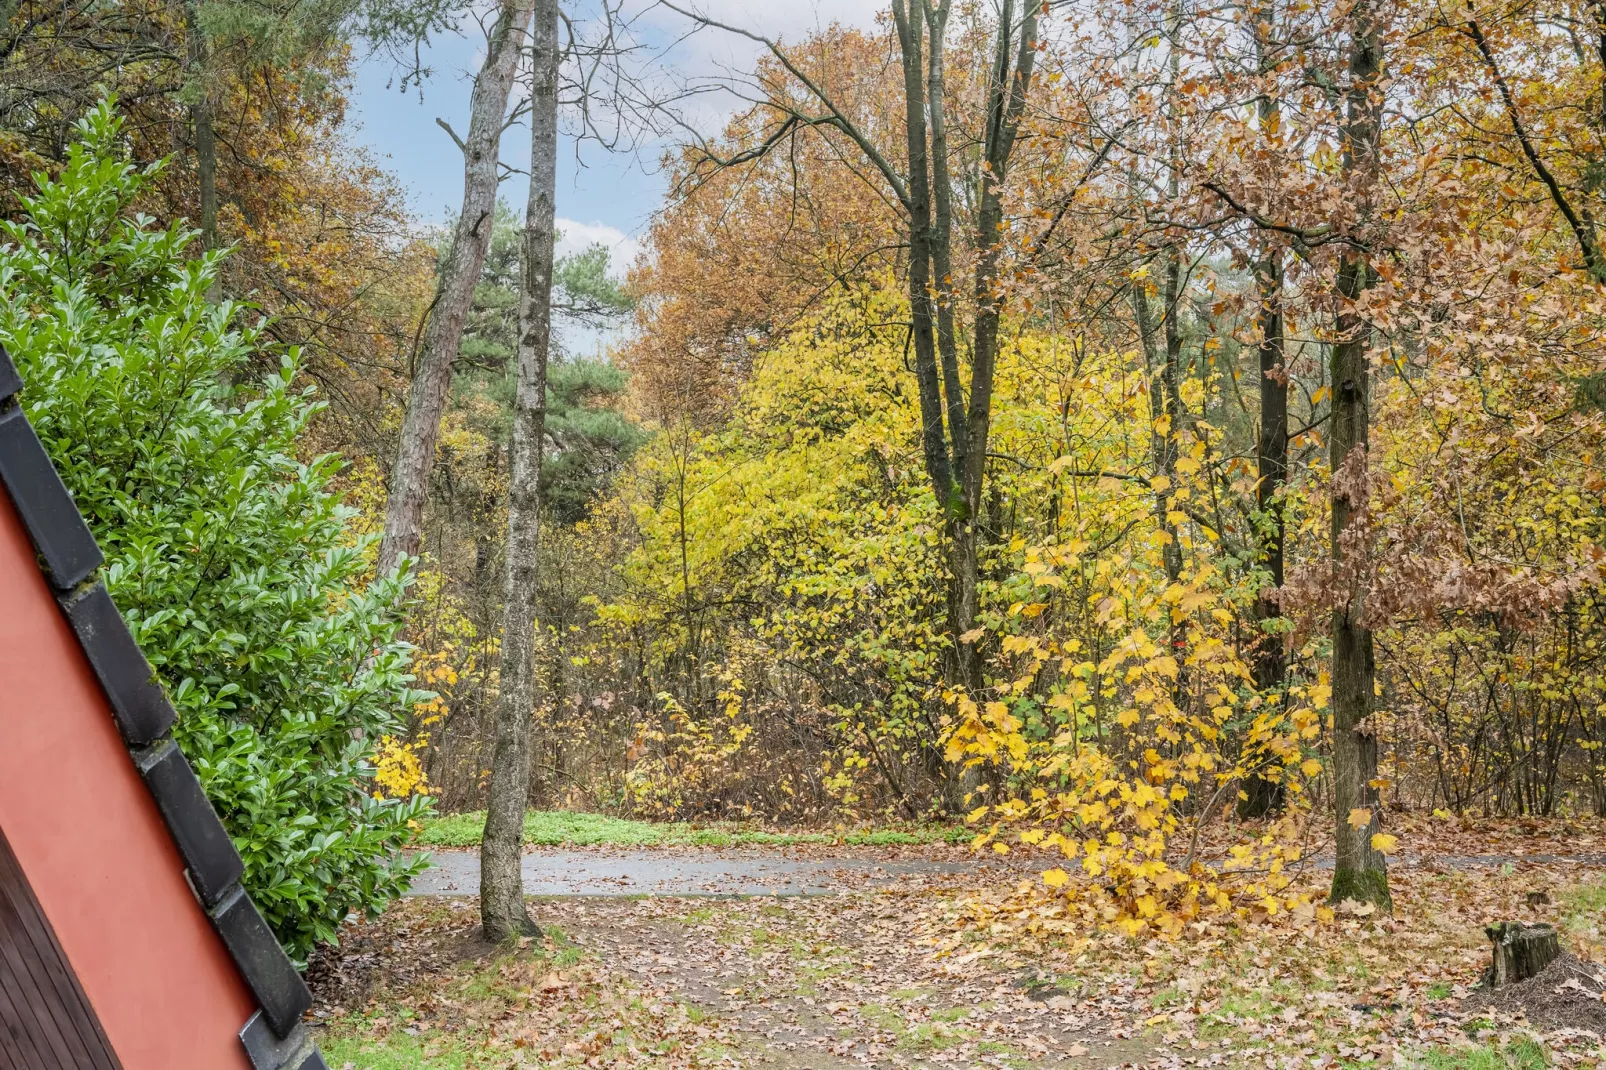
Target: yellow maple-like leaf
point(1056, 878)
point(1310, 767)
point(1359, 818)
point(1383, 843)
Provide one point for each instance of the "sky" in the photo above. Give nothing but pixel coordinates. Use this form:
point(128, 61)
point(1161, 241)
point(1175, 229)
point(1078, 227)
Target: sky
point(601, 196)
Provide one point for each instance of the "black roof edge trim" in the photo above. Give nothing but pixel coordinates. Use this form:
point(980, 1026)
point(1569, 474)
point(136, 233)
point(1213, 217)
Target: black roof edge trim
point(69, 559)
point(279, 989)
point(138, 702)
point(60, 536)
point(269, 1052)
point(10, 381)
point(213, 862)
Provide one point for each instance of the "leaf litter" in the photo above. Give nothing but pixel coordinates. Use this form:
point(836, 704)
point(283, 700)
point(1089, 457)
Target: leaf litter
point(966, 971)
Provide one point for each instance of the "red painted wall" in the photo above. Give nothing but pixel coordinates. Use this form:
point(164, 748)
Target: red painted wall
point(94, 847)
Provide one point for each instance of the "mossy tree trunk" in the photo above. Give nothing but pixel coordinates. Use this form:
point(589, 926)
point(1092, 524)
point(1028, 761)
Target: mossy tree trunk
point(1360, 871)
point(1260, 795)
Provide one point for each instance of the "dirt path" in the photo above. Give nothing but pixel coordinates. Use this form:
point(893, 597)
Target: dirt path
point(837, 982)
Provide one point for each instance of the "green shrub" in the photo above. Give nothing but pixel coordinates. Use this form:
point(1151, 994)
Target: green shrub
point(233, 560)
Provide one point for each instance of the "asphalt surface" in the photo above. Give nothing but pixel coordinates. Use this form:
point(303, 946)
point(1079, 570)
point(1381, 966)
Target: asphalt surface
point(701, 872)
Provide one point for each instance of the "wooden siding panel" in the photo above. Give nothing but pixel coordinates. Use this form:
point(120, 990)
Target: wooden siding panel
point(45, 1019)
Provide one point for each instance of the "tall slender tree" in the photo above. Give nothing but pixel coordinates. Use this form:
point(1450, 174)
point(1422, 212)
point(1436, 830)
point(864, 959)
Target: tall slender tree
point(1360, 871)
point(955, 419)
point(1262, 796)
point(459, 273)
point(502, 910)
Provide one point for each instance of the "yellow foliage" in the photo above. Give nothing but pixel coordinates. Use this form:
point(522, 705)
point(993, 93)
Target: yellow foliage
point(398, 768)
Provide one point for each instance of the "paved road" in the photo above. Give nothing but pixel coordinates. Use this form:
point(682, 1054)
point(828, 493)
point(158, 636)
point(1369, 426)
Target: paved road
point(759, 871)
point(701, 872)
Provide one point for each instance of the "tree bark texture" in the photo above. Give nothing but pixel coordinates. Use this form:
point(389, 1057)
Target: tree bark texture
point(1360, 871)
point(471, 237)
point(502, 908)
point(1519, 951)
point(1007, 91)
point(942, 229)
point(1262, 796)
point(911, 26)
point(203, 135)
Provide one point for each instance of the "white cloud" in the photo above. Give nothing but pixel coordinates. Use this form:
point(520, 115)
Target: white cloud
point(790, 18)
point(574, 237)
point(712, 52)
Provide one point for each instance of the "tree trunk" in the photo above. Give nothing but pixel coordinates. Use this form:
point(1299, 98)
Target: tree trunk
point(1161, 448)
point(1360, 871)
point(910, 23)
point(1006, 101)
point(1262, 796)
point(502, 910)
point(203, 136)
point(942, 230)
point(415, 454)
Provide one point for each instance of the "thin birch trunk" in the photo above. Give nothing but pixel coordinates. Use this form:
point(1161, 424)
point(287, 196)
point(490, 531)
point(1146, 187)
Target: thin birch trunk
point(432, 379)
point(502, 909)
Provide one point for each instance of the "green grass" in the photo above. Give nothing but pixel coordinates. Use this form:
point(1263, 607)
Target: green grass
point(1584, 900)
point(1521, 1054)
point(561, 828)
point(397, 1052)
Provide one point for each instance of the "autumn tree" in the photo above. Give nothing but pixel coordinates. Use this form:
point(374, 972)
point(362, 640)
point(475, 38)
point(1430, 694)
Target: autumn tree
point(954, 420)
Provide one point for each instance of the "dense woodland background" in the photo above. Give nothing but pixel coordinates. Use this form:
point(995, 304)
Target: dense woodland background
point(750, 602)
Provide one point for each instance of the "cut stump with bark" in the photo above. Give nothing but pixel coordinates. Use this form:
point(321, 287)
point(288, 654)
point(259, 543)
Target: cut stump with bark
point(1520, 951)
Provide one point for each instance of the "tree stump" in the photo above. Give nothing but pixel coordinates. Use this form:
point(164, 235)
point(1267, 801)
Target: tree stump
point(1520, 951)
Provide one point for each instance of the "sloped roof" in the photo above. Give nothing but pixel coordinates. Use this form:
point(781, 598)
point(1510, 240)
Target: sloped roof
point(274, 1037)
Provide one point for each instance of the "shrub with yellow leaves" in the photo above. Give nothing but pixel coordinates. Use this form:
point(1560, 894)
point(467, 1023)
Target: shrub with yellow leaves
point(399, 768)
point(1124, 715)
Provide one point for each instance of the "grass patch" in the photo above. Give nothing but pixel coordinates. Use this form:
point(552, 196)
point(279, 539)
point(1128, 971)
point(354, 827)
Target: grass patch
point(1521, 1054)
point(563, 828)
point(398, 1051)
